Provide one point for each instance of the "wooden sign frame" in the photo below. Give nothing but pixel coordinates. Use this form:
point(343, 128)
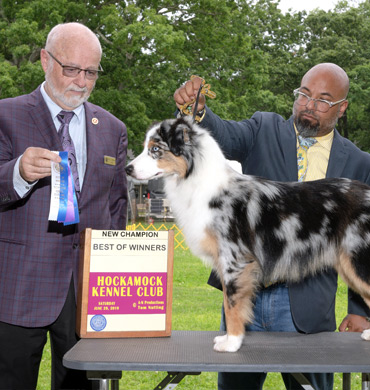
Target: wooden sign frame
point(125, 284)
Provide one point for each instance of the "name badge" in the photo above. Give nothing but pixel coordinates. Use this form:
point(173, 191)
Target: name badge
point(109, 160)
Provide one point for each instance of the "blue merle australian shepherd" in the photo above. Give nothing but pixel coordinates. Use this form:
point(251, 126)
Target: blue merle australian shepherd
point(252, 230)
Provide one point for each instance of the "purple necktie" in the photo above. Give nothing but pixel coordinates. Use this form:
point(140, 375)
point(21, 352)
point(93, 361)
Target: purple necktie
point(65, 117)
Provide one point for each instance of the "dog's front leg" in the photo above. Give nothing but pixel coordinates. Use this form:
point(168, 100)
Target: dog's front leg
point(238, 305)
point(235, 320)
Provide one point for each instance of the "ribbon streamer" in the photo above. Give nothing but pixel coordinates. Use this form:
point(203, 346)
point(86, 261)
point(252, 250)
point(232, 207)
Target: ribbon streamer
point(63, 203)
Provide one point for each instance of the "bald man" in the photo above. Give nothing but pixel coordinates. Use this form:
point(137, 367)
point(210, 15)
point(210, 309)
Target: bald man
point(39, 258)
point(267, 145)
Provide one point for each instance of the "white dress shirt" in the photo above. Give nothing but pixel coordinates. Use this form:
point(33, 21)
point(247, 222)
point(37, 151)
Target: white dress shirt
point(77, 130)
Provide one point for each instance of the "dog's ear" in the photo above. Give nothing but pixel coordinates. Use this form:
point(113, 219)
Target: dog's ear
point(187, 129)
point(180, 138)
point(186, 135)
point(164, 130)
point(176, 134)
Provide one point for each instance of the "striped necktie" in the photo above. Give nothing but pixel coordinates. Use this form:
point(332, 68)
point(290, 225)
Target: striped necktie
point(65, 117)
point(302, 161)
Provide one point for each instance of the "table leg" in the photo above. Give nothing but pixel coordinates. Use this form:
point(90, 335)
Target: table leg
point(346, 381)
point(106, 378)
point(365, 381)
point(173, 379)
point(302, 380)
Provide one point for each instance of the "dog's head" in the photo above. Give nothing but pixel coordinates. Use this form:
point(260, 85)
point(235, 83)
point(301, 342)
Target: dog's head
point(168, 150)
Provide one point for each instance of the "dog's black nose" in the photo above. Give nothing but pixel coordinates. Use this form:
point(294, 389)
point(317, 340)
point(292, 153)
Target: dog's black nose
point(129, 169)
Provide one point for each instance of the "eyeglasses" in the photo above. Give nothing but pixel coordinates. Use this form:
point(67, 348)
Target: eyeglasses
point(320, 104)
point(73, 71)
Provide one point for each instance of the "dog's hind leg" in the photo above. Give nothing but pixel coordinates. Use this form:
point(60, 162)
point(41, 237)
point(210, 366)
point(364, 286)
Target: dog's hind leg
point(365, 335)
point(238, 306)
point(351, 277)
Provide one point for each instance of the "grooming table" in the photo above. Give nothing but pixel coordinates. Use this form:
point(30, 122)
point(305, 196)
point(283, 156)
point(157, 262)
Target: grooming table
point(191, 352)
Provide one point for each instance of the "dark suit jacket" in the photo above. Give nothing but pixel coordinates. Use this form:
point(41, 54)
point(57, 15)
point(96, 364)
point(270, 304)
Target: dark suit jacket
point(38, 258)
point(265, 145)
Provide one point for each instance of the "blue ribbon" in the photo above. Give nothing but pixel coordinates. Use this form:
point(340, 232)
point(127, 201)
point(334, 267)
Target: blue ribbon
point(68, 207)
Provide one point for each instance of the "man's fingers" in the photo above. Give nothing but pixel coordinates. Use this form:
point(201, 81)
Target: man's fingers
point(187, 92)
point(36, 163)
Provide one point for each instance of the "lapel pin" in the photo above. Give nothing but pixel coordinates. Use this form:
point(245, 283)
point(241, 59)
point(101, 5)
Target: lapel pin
point(95, 121)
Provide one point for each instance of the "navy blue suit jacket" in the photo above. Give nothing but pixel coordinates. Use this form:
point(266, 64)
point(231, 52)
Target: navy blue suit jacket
point(265, 145)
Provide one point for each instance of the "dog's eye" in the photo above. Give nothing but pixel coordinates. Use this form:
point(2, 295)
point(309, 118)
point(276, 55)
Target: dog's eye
point(155, 152)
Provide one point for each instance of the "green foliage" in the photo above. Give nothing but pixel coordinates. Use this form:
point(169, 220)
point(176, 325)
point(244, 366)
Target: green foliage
point(251, 54)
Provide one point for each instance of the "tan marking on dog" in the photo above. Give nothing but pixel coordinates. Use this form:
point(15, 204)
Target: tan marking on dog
point(151, 143)
point(210, 244)
point(173, 164)
point(234, 319)
point(348, 274)
point(210, 247)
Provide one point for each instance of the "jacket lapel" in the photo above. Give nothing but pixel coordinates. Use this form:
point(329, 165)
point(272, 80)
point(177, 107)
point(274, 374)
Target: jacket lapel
point(42, 119)
point(338, 157)
point(92, 141)
point(289, 149)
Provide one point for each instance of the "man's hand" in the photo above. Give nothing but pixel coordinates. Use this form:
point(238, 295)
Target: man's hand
point(35, 163)
point(188, 92)
point(354, 323)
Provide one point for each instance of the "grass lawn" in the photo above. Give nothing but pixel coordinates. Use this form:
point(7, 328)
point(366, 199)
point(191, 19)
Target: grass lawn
point(197, 306)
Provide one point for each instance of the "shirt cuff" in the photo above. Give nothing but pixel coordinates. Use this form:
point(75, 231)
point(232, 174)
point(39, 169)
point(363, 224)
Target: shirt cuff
point(21, 186)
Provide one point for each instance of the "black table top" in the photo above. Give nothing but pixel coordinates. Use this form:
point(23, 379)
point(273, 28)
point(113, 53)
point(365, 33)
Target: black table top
point(192, 351)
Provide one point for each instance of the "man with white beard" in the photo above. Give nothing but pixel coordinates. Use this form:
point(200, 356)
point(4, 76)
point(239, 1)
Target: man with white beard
point(39, 257)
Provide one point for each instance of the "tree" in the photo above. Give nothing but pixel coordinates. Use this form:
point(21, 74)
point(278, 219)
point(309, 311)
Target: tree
point(252, 55)
point(345, 40)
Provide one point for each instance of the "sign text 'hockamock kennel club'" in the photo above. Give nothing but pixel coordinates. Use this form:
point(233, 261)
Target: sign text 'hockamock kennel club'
point(125, 284)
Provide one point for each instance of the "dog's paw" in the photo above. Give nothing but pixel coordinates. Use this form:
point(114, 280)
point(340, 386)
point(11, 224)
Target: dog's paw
point(228, 343)
point(365, 335)
point(220, 339)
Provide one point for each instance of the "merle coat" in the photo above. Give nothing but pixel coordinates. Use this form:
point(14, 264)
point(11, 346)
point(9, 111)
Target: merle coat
point(265, 145)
